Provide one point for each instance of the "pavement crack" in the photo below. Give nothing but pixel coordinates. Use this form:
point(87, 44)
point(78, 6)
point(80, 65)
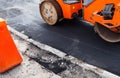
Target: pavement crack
point(57, 66)
point(26, 50)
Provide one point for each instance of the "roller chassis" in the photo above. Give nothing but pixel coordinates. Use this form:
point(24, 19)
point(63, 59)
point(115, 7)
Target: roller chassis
point(106, 15)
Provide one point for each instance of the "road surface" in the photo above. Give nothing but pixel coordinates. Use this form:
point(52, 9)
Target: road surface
point(75, 38)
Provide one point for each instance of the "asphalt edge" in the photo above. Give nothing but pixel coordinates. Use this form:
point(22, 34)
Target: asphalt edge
point(99, 71)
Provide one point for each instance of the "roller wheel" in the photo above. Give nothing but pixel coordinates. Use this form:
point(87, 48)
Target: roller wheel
point(50, 11)
point(107, 34)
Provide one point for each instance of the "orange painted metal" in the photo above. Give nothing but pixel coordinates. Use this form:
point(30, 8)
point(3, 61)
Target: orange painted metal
point(91, 14)
point(9, 55)
point(69, 9)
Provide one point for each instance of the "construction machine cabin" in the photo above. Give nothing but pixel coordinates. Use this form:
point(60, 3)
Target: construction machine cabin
point(103, 14)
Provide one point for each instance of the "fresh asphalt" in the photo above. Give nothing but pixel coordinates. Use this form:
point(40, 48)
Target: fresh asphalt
point(79, 40)
point(76, 38)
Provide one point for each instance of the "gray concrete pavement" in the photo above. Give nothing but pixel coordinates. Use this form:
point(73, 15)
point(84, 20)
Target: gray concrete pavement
point(39, 62)
point(28, 68)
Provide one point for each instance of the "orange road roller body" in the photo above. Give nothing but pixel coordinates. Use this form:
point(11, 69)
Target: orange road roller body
point(103, 14)
point(92, 13)
point(69, 9)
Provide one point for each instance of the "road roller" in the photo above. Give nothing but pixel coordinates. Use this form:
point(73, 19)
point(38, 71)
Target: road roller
point(103, 14)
